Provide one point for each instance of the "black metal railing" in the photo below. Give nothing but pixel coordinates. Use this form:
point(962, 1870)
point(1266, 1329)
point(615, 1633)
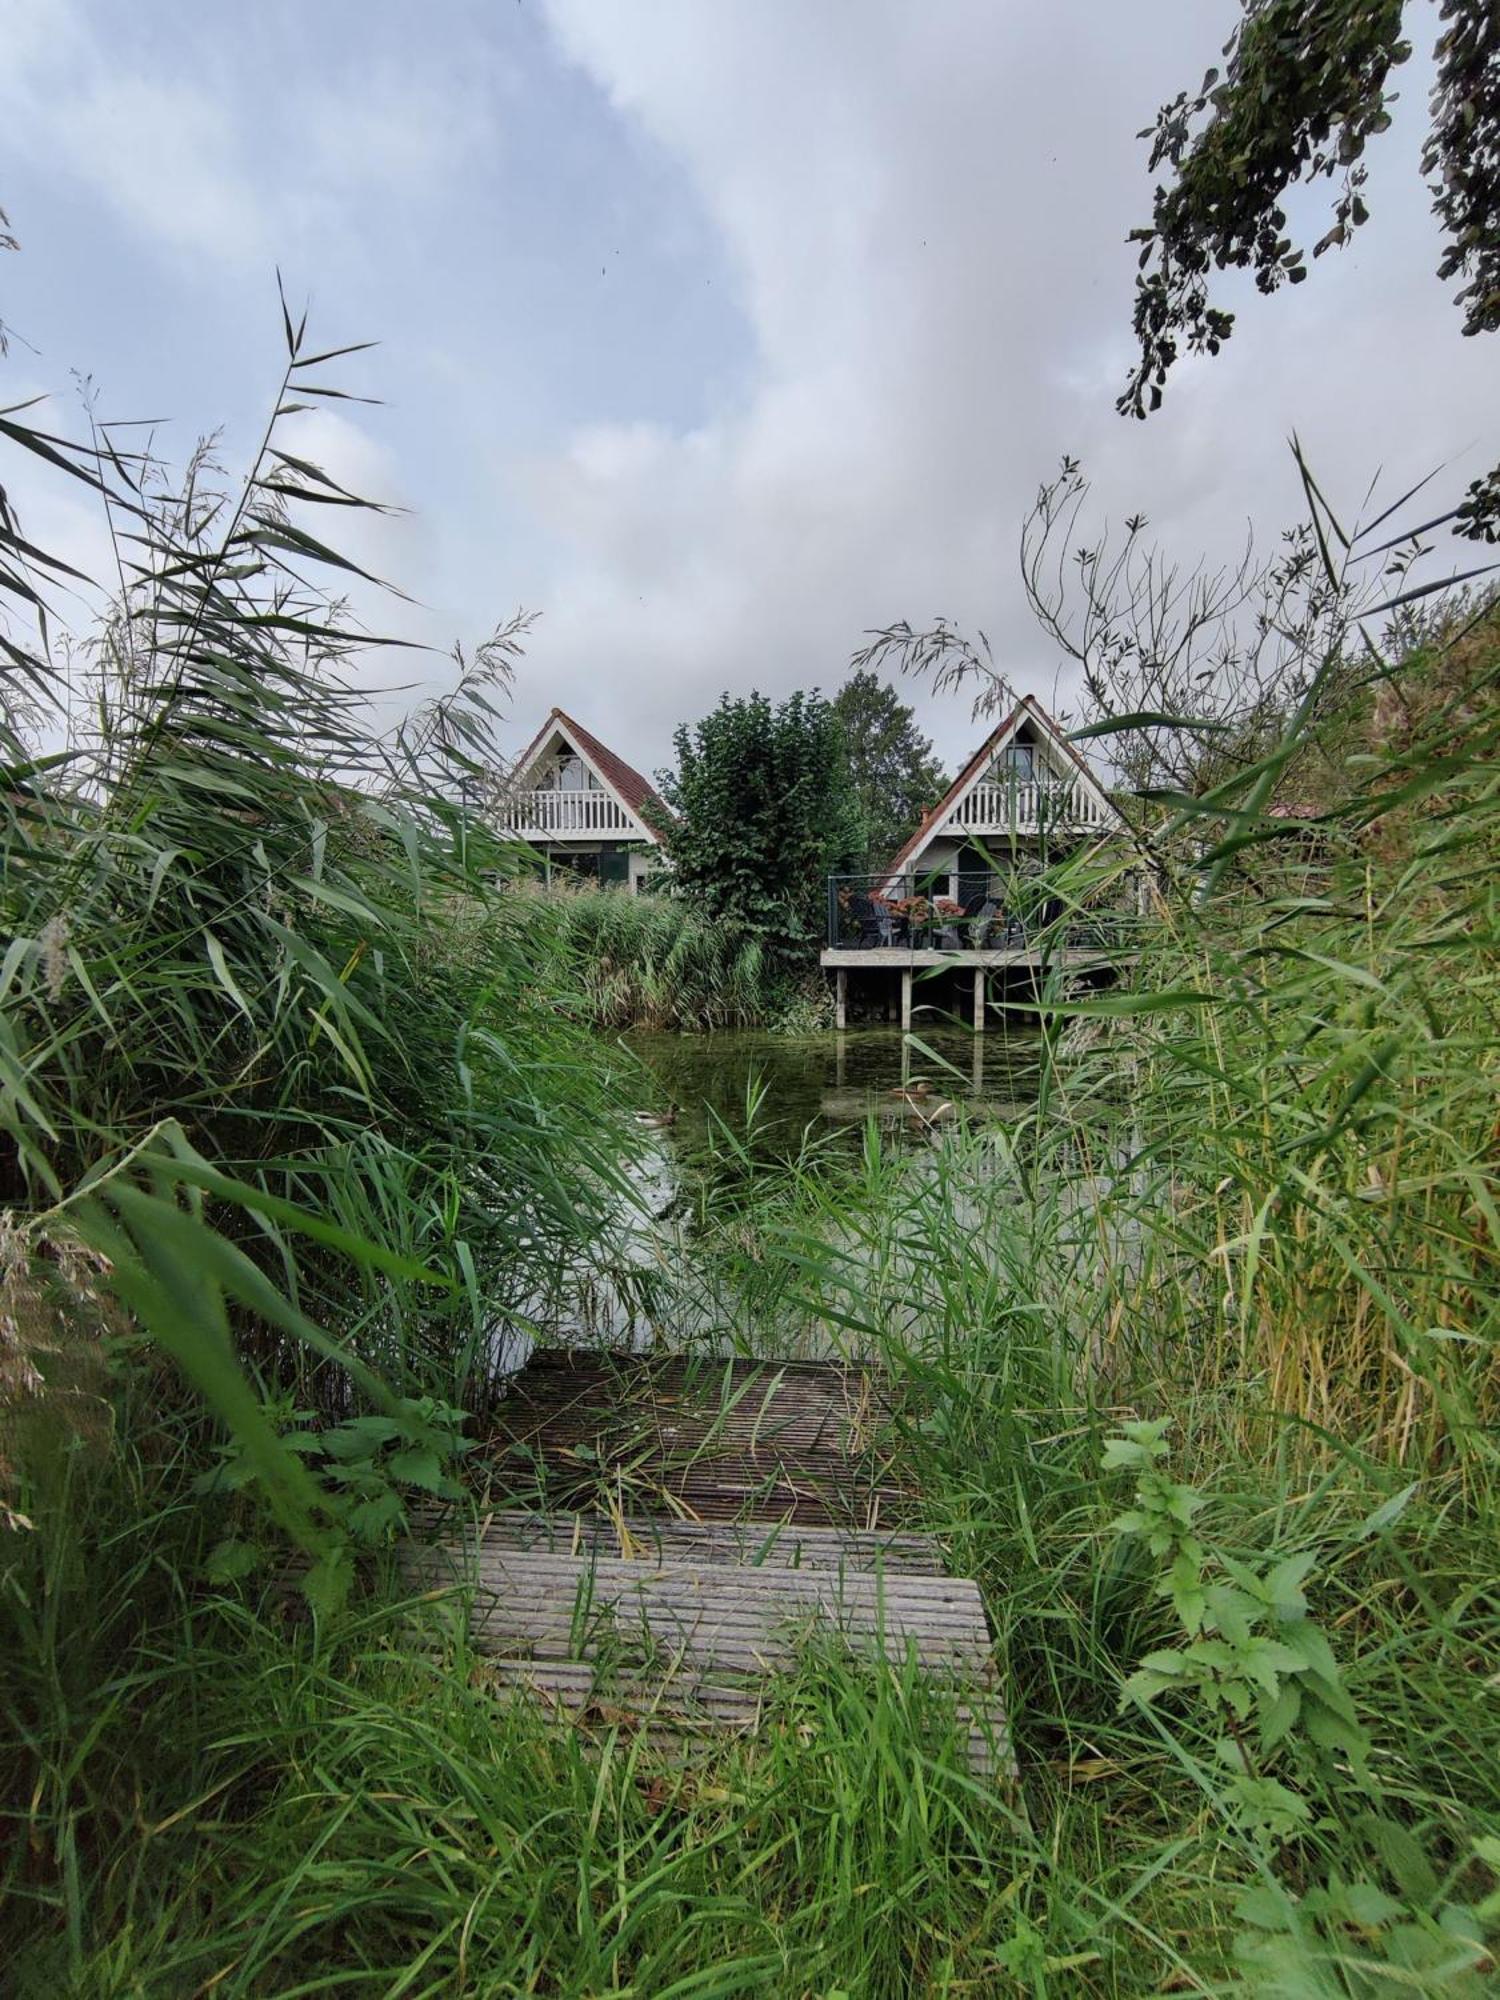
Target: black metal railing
point(919, 913)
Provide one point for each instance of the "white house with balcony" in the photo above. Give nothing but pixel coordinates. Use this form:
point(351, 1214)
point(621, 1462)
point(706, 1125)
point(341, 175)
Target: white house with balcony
point(957, 905)
point(1024, 793)
point(582, 807)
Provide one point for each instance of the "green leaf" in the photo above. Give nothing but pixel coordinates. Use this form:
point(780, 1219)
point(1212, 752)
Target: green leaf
point(1369, 1905)
point(362, 1437)
point(1283, 1587)
point(224, 976)
point(327, 1584)
point(378, 1515)
point(1144, 718)
point(1307, 1640)
point(1233, 1611)
point(1387, 1513)
point(1266, 1905)
point(1280, 1716)
point(232, 1560)
point(418, 1466)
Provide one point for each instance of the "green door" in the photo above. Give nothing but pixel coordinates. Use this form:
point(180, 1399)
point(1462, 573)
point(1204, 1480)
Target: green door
point(614, 867)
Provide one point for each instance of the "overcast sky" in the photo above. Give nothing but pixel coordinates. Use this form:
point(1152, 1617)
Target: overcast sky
point(715, 331)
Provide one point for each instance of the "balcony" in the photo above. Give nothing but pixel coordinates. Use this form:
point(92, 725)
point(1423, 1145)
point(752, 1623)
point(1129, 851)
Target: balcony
point(568, 815)
point(892, 917)
point(1026, 806)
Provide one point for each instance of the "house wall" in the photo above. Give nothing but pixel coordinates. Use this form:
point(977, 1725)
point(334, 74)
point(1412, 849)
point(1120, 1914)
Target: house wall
point(940, 859)
point(603, 859)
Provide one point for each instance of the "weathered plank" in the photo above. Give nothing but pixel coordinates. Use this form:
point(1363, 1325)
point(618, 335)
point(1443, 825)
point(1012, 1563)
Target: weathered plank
point(674, 1531)
point(677, 1709)
point(646, 1538)
point(699, 1438)
point(558, 1607)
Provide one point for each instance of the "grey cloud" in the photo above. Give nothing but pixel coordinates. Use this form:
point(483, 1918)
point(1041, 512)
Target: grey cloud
point(926, 211)
point(716, 333)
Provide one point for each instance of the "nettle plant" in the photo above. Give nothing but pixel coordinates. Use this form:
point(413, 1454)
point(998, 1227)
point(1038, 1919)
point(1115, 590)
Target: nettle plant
point(1260, 1666)
point(1264, 1673)
point(366, 1467)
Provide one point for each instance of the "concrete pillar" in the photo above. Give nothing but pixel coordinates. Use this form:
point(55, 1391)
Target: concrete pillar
point(841, 998)
point(906, 1000)
point(979, 999)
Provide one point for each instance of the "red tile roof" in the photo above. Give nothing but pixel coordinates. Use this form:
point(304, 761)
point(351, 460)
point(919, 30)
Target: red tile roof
point(632, 788)
point(635, 790)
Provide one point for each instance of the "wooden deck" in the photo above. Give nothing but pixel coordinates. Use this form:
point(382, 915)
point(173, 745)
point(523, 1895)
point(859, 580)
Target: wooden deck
point(750, 1544)
point(962, 958)
point(698, 1439)
point(687, 1528)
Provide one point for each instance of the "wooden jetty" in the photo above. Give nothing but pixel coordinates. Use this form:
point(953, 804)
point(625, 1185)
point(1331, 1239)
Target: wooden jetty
point(675, 1532)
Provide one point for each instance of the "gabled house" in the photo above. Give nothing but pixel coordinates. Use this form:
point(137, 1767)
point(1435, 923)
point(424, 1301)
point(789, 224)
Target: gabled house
point(582, 807)
point(1024, 793)
point(952, 902)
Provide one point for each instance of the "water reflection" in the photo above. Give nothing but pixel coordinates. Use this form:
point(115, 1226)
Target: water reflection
point(747, 1101)
point(829, 1085)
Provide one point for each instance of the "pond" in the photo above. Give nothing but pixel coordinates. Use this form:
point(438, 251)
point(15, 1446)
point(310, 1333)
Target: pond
point(831, 1084)
point(749, 1099)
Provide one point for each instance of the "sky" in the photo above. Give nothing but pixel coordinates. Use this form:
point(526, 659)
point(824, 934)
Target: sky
point(716, 332)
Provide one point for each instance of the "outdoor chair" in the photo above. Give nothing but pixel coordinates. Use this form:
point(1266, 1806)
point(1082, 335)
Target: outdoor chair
point(871, 924)
point(980, 911)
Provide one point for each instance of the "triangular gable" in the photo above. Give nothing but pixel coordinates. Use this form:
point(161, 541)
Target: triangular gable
point(621, 780)
point(1027, 709)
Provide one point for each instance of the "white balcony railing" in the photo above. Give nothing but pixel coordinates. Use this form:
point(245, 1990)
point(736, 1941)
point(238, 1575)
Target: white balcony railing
point(1026, 807)
point(558, 814)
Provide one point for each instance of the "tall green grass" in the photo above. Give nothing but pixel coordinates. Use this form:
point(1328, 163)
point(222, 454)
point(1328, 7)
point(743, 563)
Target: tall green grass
point(650, 961)
point(294, 1122)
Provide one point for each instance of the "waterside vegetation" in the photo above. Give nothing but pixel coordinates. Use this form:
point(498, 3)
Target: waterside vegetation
point(1195, 1361)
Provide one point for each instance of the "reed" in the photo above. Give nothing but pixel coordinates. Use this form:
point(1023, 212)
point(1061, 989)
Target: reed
point(657, 962)
point(295, 1122)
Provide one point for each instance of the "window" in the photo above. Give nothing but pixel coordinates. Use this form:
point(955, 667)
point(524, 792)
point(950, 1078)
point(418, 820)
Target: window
point(567, 773)
point(1016, 760)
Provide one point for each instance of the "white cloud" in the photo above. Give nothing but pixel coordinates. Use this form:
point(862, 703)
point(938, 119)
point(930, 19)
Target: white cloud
point(237, 163)
point(919, 213)
point(163, 155)
point(926, 209)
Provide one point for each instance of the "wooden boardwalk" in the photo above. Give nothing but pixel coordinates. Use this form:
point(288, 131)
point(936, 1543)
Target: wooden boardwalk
point(699, 1439)
point(686, 1529)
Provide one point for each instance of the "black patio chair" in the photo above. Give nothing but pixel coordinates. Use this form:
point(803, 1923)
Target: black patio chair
point(870, 927)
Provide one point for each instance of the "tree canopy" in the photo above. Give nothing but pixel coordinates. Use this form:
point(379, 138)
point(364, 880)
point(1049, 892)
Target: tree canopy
point(1303, 90)
point(891, 762)
point(763, 810)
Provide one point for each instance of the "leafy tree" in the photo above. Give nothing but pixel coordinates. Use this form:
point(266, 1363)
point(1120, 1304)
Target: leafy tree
point(1303, 90)
point(895, 773)
point(764, 809)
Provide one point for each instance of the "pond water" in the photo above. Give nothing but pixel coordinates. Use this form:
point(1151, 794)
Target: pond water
point(830, 1084)
point(750, 1099)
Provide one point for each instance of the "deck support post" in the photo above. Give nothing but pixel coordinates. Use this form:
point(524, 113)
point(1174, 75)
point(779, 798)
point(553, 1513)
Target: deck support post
point(906, 1000)
point(979, 999)
point(841, 999)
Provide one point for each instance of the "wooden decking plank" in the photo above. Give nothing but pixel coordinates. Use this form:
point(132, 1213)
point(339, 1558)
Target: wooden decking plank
point(708, 1439)
point(679, 1706)
point(556, 1606)
point(693, 1525)
point(647, 1538)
